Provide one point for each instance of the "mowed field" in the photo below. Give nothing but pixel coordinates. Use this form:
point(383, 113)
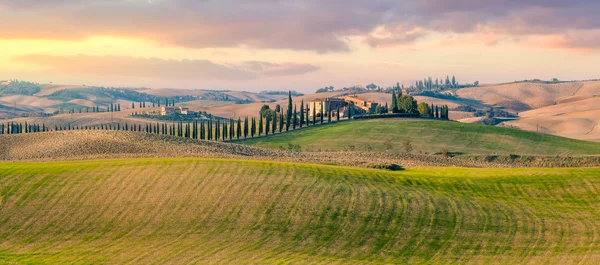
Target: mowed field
point(174, 211)
point(427, 136)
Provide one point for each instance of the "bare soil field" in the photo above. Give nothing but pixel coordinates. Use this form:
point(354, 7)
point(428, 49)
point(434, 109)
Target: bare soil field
point(525, 96)
point(23, 101)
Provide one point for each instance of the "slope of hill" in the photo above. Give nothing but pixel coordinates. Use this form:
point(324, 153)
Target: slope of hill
point(428, 136)
point(523, 96)
point(568, 109)
point(102, 143)
point(176, 211)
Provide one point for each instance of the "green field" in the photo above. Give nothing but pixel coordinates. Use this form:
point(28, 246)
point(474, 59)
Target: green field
point(427, 136)
point(161, 211)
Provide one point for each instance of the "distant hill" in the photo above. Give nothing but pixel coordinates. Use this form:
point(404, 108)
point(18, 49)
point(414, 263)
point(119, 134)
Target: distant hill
point(568, 109)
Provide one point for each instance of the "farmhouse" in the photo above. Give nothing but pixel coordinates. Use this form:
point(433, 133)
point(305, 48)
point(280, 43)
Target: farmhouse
point(361, 106)
point(367, 106)
point(164, 111)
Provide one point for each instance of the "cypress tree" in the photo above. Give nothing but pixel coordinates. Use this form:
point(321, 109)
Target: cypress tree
point(322, 112)
point(218, 130)
point(337, 114)
point(253, 128)
point(394, 103)
point(232, 130)
point(350, 110)
point(280, 122)
point(307, 119)
point(302, 113)
point(274, 128)
point(132, 105)
point(209, 133)
point(295, 118)
point(201, 130)
point(329, 114)
point(314, 113)
point(239, 128)
point(288, 118)
point(246, 128)
point(260, 125)
point(437, 112)
point(267, 127)
point(431, 111)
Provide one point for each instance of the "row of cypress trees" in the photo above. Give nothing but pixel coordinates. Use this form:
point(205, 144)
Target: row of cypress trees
point(155, 103)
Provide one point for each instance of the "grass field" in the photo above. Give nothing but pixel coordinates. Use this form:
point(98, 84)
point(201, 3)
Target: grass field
point(428, 136)
point(225, 211)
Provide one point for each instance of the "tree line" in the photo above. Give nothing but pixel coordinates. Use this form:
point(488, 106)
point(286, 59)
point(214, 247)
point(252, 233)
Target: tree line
point(269, 121)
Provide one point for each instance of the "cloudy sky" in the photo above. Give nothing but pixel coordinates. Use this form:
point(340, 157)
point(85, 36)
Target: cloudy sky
point(294, 44)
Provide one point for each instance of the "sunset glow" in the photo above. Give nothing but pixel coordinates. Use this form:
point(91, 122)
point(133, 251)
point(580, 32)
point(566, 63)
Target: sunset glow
point(302, 46)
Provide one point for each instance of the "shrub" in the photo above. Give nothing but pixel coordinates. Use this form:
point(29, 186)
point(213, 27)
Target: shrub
point(386, 166)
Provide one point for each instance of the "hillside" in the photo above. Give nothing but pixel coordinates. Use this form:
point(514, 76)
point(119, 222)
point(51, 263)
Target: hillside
point(224, 211)
point(568, 109)
point(428, 136)
point(523, 96)
point(84, 144)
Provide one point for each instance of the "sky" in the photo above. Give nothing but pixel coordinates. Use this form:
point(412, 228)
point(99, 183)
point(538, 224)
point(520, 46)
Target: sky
point(294, 44)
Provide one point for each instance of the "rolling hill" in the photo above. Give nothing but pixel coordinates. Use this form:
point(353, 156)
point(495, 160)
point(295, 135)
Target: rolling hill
point(568, 109)
point(174, 211)
point(427, 136)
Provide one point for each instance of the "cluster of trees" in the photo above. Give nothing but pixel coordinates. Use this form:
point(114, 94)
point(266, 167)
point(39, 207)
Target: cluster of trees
point(407, 104)
point(403, 103)
point(325, 89)
point(427, 84)
point(277, 92)
point(20, 88)
point(273, 120)
point(433, 111)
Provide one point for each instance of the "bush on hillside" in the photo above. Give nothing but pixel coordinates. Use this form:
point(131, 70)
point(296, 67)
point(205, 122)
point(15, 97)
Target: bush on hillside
point(387, 166)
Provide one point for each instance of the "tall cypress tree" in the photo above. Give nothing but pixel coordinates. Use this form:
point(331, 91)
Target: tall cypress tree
point(294, 118)
point(302, 113)
point(350, 110)
point(280, 122)
point(314, 114)
point(232, 129)
point(239, 128)
point(288, 118)
point(337, 114)
point(246, 128)
point(274, 128)
point(267, 127)
point(322, 112)
point(225, 131)
point(202, 135)
point(394, 103)
point(329, 114)
point(253, 128)
point(260, 125)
